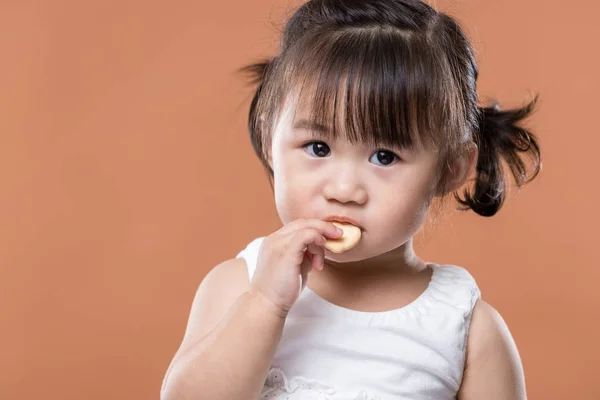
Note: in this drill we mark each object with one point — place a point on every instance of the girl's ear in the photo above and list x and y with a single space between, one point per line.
460 169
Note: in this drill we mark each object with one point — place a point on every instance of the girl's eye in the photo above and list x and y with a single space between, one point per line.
317 149
384 158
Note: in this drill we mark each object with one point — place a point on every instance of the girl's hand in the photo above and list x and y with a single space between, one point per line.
285 259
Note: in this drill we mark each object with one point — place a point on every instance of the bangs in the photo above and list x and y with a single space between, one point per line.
378 86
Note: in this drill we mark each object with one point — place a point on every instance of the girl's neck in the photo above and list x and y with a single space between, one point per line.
386 282
400 263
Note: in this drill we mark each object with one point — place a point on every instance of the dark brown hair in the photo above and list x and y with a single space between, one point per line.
401 74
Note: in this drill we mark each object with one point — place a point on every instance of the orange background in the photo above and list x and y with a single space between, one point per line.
126 174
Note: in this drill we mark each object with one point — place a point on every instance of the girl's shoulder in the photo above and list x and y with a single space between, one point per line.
249 255
450 274
218 291
453 286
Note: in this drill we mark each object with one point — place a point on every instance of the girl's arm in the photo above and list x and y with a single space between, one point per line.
235 325
493 368
229 343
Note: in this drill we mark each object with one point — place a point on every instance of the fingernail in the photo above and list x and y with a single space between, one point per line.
339 230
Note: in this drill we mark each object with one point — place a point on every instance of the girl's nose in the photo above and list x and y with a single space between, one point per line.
345 188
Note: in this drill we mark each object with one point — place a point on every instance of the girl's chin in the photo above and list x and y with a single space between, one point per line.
354 254
360 252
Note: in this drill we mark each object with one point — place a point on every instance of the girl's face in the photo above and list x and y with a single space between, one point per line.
386 191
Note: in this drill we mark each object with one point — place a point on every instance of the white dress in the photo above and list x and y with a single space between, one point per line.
328 352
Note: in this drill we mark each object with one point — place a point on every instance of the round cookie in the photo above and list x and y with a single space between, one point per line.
348 240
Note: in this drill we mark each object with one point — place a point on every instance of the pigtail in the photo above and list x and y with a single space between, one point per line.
256 71
501 138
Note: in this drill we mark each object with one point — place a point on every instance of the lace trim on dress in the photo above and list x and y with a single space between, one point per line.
277 386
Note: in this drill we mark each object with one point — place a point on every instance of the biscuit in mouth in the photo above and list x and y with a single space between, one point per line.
348 240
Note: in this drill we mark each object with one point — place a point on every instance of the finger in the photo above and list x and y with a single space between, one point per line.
299 241
326 228
317 256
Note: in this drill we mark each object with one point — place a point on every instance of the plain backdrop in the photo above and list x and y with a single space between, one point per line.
126 174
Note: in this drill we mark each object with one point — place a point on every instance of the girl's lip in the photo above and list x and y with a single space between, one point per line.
339 218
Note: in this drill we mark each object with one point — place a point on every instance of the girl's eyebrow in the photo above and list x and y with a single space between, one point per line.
312 126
